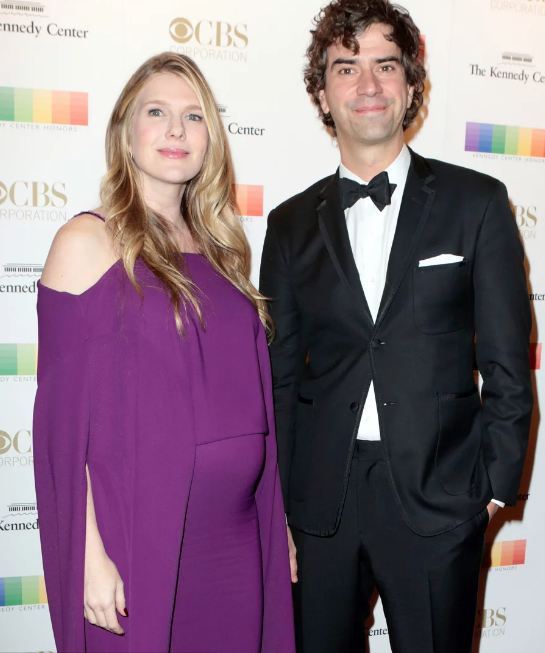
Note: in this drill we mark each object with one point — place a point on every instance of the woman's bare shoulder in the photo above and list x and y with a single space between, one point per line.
81 252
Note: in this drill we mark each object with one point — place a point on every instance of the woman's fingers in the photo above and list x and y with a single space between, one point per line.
103 591
112 624
120 604
292 556
104 617
89 614
101 619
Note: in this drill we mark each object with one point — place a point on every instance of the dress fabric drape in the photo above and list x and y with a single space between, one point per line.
178 435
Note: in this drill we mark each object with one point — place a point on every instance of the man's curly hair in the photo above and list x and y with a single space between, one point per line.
342 21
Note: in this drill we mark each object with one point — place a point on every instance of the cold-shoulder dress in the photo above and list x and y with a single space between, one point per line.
178 435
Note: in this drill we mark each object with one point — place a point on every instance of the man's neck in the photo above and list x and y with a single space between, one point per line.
366 162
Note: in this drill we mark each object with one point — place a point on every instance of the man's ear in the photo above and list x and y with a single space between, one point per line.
410 95
323 102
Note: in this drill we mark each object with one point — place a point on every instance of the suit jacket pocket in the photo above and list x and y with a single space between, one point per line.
304 426
442 297
459 441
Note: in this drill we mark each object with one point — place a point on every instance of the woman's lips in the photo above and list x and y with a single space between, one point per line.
173 153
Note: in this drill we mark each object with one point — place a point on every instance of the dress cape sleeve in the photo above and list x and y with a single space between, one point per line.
278 634
61 428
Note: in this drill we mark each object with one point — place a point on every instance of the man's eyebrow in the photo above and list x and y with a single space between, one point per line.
339 61
387 59
350 61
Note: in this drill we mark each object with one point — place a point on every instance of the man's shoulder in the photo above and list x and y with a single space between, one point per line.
303 202
455 175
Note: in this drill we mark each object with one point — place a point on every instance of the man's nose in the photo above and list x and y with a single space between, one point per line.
368 83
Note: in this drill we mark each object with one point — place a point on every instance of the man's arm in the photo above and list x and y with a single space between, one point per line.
503 322
285 349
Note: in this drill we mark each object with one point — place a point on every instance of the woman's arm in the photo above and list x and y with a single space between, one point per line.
81 252
103 587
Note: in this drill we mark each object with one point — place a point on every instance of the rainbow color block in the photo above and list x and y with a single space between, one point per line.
17 360
22 590
506 554
41 106
503 139
249 199
535 355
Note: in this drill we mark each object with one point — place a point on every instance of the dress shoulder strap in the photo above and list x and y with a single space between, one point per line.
97 215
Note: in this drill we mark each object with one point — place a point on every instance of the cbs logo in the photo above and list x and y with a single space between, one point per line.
493 618
210 32
34 193
526 216
21 442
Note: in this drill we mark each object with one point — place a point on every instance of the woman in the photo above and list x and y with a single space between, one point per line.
160 510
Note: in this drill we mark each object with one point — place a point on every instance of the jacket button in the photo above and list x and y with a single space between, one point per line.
376 343
354 406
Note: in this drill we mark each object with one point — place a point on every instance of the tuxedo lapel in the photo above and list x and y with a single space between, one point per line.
415 207
332 224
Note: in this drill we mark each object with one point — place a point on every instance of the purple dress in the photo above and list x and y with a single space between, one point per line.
178 435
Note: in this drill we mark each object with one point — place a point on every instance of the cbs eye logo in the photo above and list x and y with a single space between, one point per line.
216 33
181 30
21 442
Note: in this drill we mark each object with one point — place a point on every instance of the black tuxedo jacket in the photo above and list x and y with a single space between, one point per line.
449 448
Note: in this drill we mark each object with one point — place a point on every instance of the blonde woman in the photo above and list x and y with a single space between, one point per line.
161 516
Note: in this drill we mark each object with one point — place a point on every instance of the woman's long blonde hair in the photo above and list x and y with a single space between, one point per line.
208 204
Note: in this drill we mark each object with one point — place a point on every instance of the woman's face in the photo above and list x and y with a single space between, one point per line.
168 137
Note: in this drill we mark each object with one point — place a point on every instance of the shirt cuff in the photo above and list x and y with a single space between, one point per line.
501 504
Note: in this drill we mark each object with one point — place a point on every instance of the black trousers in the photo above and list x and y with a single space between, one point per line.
428 585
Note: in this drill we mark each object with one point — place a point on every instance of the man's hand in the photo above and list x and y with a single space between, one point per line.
293 556
492 510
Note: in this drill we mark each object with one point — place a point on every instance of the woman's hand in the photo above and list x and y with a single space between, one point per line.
293 556
103 592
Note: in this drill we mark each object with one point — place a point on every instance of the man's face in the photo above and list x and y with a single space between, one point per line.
367 93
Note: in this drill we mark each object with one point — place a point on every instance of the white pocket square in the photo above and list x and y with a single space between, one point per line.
442 259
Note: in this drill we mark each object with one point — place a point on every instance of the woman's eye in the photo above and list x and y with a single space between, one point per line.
154 112
195 116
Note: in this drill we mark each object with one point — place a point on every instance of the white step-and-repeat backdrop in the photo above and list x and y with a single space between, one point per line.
62 65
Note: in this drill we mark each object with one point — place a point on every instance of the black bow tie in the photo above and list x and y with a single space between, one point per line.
379 189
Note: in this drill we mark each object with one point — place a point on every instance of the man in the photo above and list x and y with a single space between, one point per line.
388 281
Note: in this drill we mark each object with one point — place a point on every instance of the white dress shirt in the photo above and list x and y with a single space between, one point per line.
371 233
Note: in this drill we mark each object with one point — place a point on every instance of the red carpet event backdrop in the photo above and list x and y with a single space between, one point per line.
62 65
